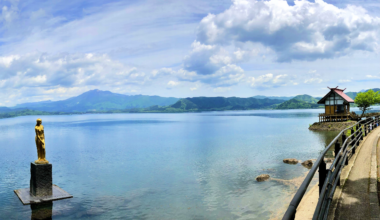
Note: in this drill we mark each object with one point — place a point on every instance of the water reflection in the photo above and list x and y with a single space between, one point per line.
42 211
326 137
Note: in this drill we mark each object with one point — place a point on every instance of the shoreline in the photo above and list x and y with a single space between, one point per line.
28 112
331 126
294 185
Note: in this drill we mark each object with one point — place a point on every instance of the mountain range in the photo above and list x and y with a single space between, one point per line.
105 101
222 103
273 97
97 100
300 102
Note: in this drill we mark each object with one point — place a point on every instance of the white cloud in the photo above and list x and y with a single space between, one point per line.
373 77
221 89
344 80
225 76
206 59
172 84
8 14
270 81
305 31
313 80
313 71
65 70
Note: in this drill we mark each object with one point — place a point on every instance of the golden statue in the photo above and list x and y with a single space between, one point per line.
40 143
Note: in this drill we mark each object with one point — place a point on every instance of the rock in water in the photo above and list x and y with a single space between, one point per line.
290 161
307 163
262 177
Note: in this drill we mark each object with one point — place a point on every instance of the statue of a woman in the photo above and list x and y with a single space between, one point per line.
40 143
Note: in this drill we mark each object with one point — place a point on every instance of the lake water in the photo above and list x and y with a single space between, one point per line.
162 166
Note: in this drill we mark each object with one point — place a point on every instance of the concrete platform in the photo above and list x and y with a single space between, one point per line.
27 198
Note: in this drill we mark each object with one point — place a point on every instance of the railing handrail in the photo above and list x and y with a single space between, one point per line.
290 212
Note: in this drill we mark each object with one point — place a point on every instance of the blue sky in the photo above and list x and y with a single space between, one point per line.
53 50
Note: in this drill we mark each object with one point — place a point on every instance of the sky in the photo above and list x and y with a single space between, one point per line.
54 50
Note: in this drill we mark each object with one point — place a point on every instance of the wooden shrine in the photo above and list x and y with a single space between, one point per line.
337 106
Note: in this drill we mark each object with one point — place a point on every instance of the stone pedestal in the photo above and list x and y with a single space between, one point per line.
41 179
41 190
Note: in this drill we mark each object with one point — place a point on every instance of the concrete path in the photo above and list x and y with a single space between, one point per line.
359 199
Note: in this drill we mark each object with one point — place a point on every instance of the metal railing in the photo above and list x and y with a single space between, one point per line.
329 178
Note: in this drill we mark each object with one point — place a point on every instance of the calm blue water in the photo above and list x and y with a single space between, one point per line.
162 166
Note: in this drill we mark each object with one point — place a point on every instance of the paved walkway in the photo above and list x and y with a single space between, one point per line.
359 197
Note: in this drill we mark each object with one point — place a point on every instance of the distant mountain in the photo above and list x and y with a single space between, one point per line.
300 102
306 98
351 94
297 104
4 109
221 103
97 100
273 97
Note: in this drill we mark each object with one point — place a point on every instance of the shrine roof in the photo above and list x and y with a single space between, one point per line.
339 92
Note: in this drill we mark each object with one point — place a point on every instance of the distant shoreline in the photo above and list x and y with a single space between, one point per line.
28 112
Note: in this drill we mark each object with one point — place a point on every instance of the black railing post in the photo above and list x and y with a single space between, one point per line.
374 123
356 142
375 120
337 149
322 174
361 132
343 138
357 136
365 130
294 215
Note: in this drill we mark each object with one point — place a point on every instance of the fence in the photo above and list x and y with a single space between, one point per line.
329 179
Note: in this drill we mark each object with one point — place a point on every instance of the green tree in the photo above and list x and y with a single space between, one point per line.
365 99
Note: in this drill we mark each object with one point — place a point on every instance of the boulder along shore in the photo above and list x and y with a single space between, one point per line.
331 126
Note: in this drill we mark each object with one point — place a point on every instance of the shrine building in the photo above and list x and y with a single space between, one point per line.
337 106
